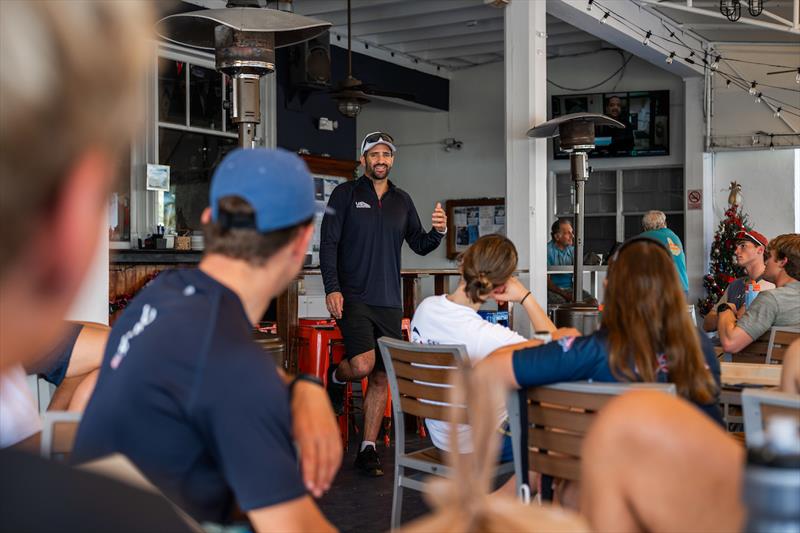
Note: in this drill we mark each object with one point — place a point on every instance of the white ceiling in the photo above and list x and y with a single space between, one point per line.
703 17
447 35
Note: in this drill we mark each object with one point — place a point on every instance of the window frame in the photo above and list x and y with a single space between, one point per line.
620 212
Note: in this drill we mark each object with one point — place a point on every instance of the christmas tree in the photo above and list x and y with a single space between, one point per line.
723 261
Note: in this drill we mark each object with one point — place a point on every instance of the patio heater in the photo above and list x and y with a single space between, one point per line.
244 40
576 136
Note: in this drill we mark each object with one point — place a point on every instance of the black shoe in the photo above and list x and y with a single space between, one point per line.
336 392
368 463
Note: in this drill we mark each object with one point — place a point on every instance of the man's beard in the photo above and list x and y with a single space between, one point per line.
371 171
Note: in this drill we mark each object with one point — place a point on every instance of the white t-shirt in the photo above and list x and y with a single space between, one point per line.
19 417
437 320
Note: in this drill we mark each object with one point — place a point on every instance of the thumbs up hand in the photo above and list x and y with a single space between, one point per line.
439 219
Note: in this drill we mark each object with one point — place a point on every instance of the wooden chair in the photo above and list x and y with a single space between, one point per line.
755 352
779 340
59 429
742 374
410 384
556 418
761 405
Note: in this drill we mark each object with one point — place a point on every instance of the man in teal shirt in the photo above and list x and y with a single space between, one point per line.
561 252
655 227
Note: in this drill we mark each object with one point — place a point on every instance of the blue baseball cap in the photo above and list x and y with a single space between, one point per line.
275 182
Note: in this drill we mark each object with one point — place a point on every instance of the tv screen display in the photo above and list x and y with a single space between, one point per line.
645 115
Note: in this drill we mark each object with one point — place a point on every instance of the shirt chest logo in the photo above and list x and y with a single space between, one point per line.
363 205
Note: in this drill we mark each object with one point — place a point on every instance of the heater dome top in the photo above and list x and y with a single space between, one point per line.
550 128
196 28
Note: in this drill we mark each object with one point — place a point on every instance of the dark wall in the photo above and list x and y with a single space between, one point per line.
299 110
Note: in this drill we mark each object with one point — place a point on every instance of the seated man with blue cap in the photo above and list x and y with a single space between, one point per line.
186 394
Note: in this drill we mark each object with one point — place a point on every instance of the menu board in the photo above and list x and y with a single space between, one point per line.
467 220
323 187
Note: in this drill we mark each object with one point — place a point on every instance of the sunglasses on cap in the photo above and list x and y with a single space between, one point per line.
377 137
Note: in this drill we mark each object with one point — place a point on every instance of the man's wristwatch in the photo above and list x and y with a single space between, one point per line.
311 378
723 307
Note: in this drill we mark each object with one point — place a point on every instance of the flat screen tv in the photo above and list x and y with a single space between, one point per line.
644 113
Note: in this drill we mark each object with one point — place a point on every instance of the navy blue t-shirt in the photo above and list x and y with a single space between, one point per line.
193 402
586 358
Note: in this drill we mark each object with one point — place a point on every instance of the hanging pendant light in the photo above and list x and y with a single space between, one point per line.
349 95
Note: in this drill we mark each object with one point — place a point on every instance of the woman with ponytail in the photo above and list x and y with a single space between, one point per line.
646 334
487 273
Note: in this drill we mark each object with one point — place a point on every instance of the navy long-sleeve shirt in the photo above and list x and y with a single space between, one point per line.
586 358
360 244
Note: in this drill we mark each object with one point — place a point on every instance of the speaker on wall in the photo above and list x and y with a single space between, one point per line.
310 63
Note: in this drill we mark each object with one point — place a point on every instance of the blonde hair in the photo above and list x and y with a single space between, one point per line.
654 220
70 74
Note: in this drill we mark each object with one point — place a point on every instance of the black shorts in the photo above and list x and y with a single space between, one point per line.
361 325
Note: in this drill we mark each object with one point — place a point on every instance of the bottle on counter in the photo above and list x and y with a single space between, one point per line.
772 479
753 289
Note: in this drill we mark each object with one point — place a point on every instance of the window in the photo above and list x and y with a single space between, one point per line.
193 134
655 188
615 200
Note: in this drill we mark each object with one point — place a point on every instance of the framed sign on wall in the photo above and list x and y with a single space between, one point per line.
472 218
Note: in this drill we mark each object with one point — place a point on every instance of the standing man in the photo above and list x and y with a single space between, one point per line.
750 250
360 262
654 224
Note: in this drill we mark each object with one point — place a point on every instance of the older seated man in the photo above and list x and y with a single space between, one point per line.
778 307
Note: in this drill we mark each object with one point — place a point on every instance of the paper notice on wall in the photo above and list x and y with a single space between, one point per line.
158 177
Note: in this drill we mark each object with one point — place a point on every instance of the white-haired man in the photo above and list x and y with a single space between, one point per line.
654 224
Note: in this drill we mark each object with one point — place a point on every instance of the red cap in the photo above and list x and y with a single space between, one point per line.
752 236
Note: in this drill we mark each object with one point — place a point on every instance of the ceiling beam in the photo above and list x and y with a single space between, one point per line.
428 21
463 51
376 13
716 14
574 13
576 36
451 42
313 8
433 32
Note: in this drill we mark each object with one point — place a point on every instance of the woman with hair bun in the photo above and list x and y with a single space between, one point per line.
487 273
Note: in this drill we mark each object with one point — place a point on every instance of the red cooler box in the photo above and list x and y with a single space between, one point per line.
319 342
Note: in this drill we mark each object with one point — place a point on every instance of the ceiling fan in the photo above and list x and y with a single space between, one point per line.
350 94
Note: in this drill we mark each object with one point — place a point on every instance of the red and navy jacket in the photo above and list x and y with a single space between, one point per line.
360 244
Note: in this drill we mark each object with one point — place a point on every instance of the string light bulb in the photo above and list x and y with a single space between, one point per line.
778 112
758 98
771 144
715 63
647 38
752 89
797 78
589 6
669 59
604 18
689 58
727 83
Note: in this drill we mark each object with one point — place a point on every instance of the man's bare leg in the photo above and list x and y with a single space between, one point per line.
654 462
375 404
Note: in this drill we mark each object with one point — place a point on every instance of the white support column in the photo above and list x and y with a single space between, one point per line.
694 171
526 159
91 304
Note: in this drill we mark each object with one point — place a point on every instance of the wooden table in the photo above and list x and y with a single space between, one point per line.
736 376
